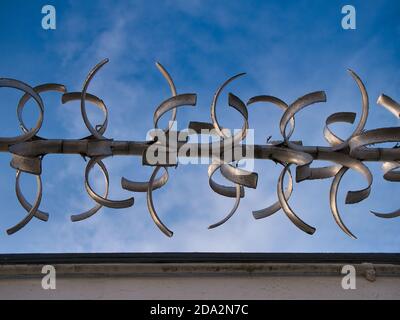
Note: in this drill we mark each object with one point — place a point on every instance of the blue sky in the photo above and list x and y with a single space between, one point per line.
287 48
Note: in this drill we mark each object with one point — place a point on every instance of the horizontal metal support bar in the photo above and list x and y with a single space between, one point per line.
88 147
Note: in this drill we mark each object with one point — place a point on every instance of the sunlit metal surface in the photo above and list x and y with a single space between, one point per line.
28 150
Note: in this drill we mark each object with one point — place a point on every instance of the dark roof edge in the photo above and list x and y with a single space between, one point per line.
196 257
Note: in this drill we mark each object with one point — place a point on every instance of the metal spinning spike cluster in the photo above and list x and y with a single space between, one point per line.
28 150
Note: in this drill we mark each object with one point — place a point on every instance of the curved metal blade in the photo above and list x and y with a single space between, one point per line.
287 209
150 204
32 211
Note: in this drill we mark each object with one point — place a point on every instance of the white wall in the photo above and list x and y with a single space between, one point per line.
200 281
